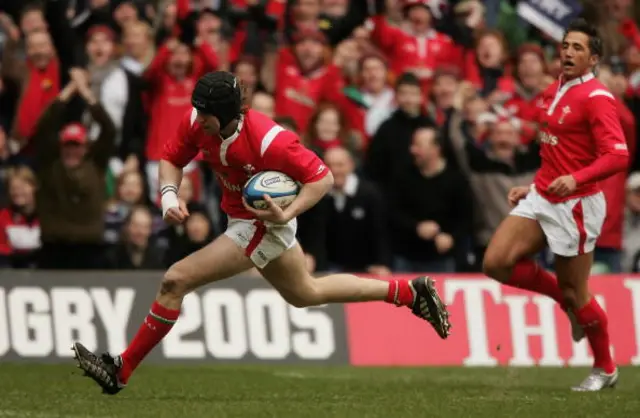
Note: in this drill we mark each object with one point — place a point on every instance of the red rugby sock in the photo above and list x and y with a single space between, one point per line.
399 293
156 325
594 321
529 275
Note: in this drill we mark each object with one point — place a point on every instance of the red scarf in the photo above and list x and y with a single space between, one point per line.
42 88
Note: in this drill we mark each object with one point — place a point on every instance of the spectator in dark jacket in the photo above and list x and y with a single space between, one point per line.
388 156
137 249
196 233
357 235
431 210
72 181
492 167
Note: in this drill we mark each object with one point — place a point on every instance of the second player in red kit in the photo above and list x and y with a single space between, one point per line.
582 143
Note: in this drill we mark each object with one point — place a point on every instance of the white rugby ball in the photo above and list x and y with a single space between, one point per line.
281 188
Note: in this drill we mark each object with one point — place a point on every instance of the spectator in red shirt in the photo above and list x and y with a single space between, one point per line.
486 67
20 236
532 79
418 48
304 79
40 80
49 57
171 78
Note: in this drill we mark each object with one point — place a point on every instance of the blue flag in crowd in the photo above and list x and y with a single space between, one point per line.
550 16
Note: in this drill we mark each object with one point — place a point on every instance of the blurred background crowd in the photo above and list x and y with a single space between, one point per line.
421 108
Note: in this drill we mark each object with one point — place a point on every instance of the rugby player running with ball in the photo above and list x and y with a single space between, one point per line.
237 143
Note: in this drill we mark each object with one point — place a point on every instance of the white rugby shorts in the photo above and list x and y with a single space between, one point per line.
571 227
262 242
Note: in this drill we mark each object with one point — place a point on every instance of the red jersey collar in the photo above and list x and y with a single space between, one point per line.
237 132
577 80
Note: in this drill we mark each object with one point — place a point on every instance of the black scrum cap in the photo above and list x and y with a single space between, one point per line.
218 94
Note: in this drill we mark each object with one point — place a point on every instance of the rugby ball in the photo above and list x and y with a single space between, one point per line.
281 188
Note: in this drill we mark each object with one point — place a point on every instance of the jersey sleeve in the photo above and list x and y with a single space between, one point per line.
282 151
605 124
180 149
611 146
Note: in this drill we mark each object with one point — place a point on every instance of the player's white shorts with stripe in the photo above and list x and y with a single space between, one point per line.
571 227
262 242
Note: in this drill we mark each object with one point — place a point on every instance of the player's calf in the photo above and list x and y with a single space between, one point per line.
569 297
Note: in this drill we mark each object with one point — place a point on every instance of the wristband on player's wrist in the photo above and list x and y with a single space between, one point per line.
169 198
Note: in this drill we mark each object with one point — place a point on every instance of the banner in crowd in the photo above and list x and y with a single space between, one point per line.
550 16
244 320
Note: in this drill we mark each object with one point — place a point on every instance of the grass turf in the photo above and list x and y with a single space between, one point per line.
59 391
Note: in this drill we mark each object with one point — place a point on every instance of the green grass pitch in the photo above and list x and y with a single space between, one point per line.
59 391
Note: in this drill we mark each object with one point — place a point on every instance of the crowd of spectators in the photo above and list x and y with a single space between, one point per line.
422 109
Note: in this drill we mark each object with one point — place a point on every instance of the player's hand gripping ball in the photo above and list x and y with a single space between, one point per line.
281 188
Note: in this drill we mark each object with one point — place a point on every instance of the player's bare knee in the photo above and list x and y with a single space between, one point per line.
175 284
497 266
304 296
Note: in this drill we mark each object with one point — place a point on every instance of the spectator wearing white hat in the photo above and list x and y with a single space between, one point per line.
631 259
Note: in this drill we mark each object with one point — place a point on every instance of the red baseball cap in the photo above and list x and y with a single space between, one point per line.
74 132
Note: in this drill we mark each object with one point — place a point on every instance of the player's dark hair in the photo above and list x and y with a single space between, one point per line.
595 41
